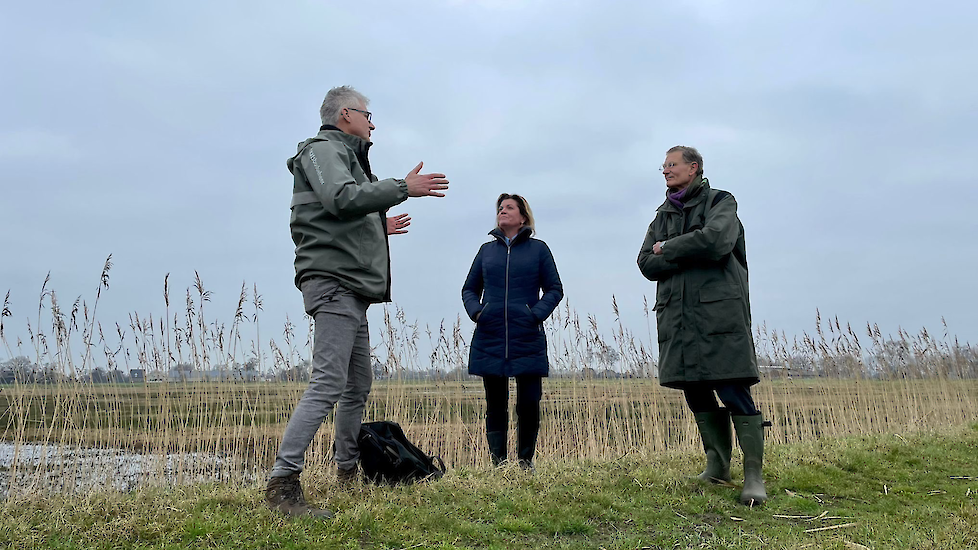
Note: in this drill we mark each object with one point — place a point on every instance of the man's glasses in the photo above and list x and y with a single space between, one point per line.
669 166
367 114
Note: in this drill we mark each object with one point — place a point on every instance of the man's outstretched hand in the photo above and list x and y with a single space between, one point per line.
396 224
425 185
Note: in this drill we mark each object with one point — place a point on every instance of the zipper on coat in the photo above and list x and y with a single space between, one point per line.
509 246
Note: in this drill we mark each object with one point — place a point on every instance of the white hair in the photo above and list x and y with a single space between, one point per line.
339 98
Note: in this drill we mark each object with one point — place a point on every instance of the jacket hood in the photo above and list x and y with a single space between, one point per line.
302 145
331 133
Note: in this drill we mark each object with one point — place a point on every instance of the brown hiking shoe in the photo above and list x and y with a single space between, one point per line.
284 494
346 478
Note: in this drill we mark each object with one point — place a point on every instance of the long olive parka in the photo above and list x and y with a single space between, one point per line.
702 305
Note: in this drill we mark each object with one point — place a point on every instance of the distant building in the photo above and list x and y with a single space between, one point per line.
783 371
182 374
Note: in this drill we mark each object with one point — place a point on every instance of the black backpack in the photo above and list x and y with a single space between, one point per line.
387 457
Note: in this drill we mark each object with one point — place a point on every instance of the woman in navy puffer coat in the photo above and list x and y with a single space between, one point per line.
502 294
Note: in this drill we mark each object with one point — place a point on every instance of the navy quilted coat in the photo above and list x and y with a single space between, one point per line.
503 290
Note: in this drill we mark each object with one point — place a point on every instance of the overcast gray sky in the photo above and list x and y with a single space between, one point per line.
158 133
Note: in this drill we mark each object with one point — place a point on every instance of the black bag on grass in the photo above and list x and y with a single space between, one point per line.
386 456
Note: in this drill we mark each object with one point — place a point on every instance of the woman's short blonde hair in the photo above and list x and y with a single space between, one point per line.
524 207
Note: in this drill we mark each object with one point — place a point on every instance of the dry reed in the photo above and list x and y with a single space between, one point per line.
62 422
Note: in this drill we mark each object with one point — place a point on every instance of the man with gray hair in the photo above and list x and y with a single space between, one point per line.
342 265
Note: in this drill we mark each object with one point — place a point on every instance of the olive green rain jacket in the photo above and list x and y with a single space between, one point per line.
339 214
702 307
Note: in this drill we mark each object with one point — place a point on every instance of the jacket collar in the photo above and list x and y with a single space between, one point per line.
522 235
360 146
691 190
700 188
356 143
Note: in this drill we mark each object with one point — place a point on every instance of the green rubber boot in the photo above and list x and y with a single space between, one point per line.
717 443
750 435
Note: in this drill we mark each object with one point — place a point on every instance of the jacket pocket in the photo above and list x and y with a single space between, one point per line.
664 330
363 246
481 314
537 322
722 309
491 319
663 294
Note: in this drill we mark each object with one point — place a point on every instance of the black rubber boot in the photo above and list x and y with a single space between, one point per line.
526 436
497 447
750 435
717 443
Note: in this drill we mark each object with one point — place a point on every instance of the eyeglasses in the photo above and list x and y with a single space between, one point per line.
367 114
669 166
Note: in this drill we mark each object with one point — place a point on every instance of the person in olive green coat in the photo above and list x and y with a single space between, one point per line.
694 250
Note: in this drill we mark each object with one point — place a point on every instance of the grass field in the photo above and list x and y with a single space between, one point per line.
918 491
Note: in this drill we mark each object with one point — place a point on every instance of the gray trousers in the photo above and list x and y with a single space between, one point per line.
341 376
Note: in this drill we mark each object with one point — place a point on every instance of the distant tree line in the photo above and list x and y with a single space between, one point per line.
889 360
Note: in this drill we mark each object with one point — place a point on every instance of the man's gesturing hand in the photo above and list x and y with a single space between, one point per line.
396 224
425 185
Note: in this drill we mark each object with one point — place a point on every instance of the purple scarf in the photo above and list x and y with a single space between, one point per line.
677 198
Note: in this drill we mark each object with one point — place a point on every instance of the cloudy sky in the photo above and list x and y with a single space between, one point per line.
158 133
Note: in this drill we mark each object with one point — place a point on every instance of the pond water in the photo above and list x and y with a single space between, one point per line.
51 469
